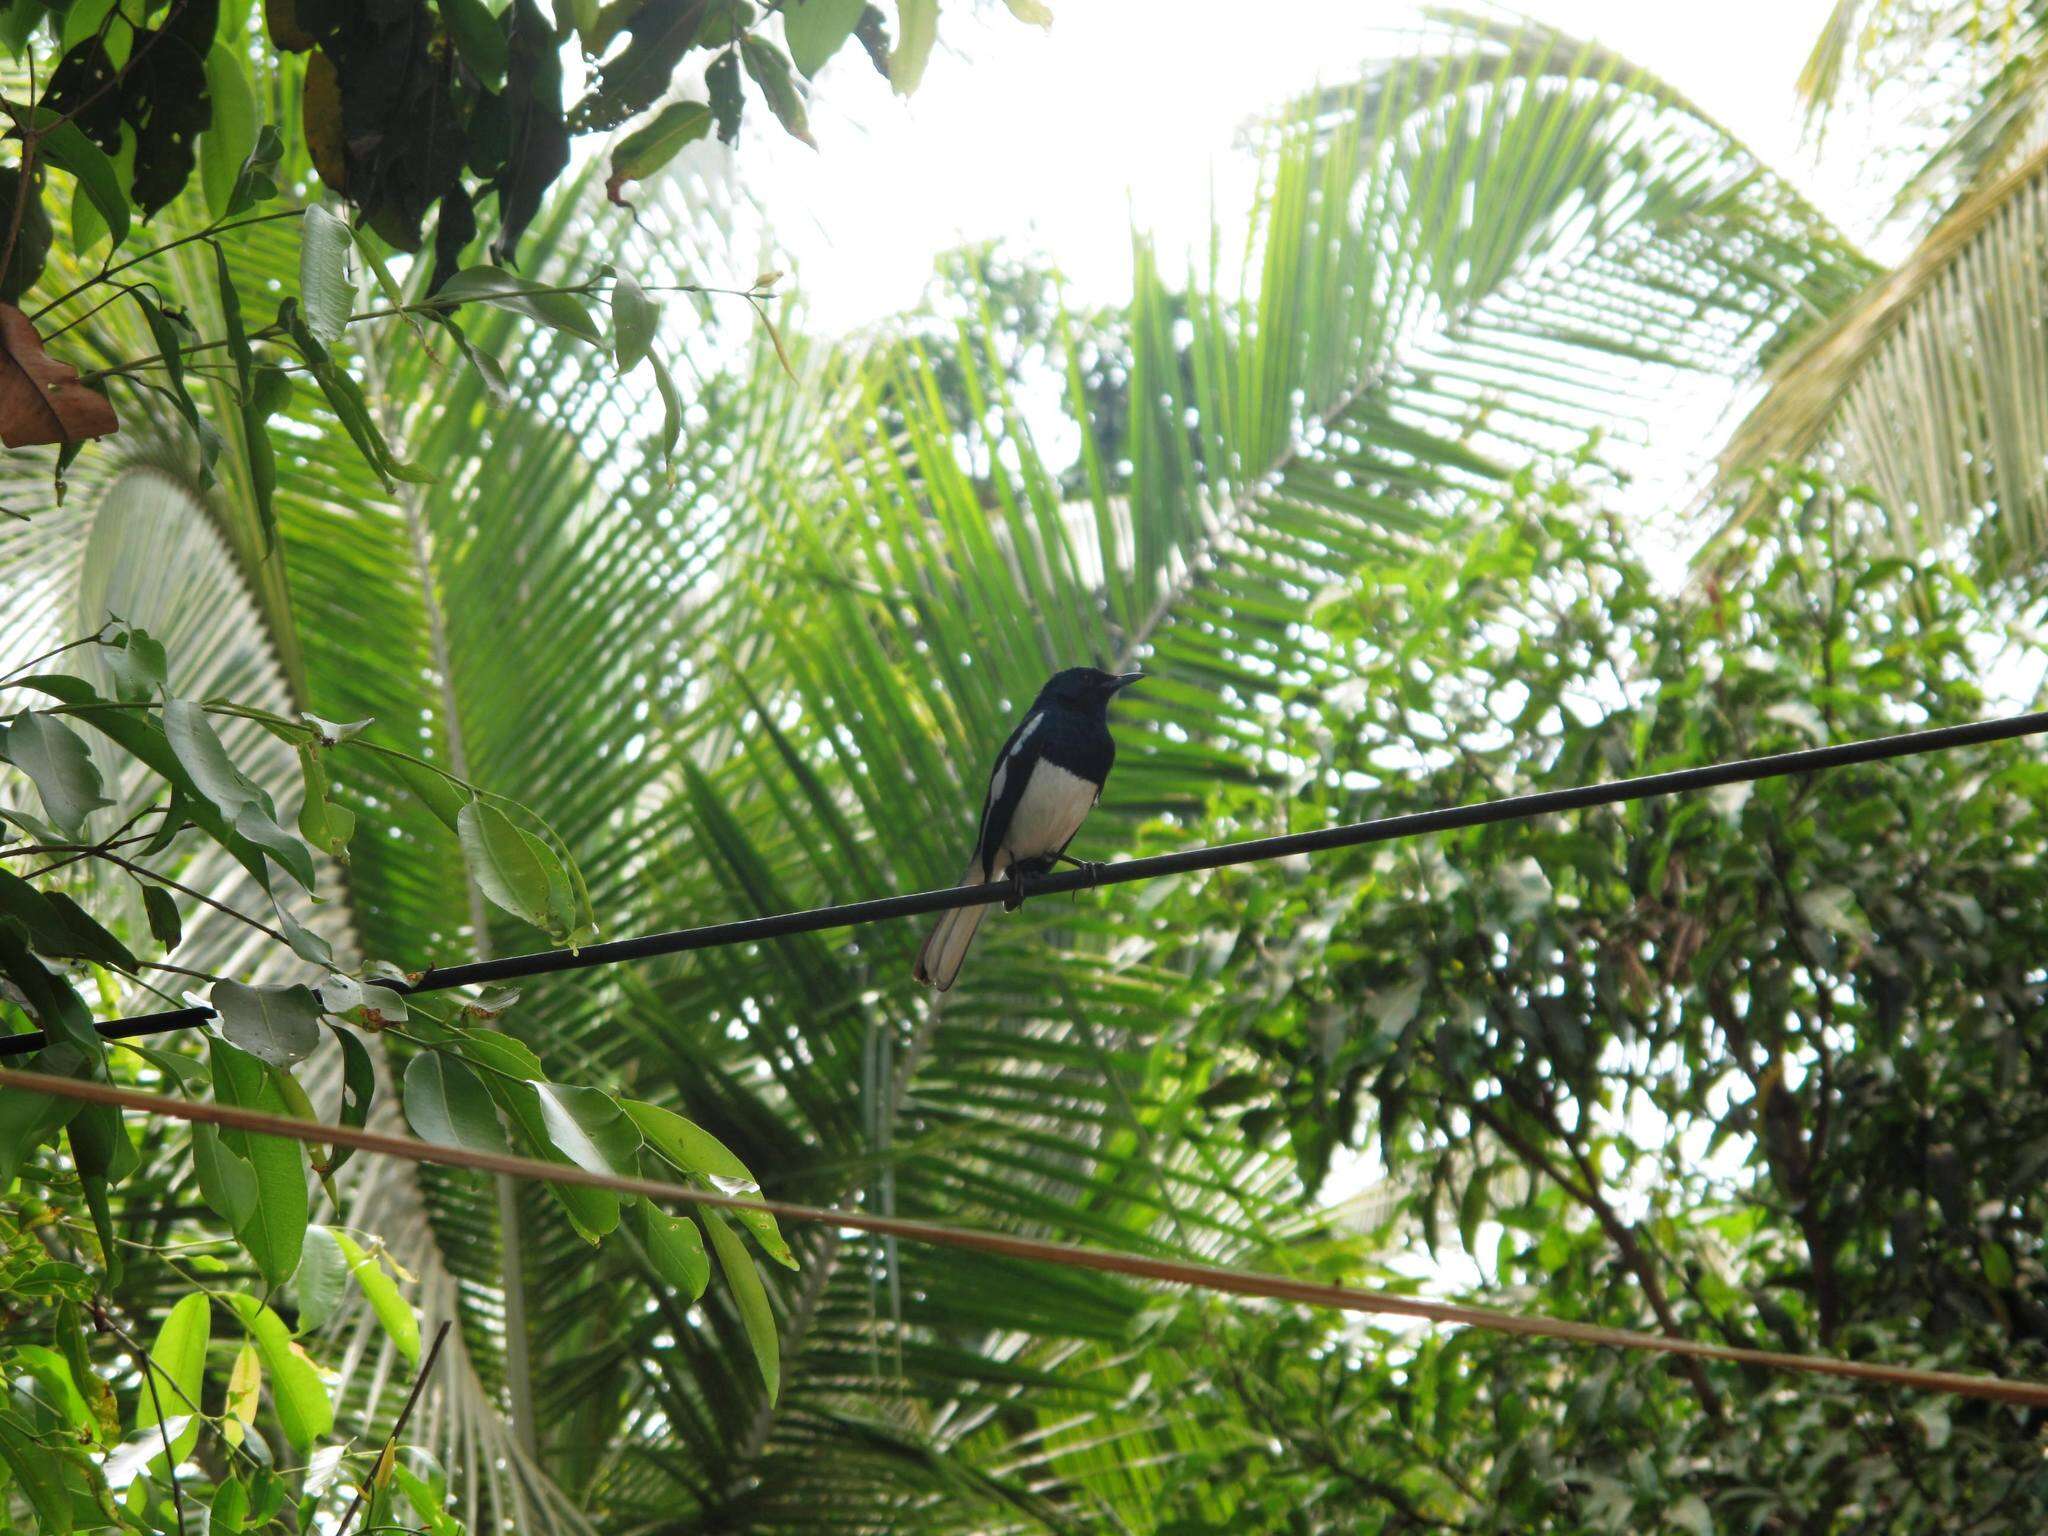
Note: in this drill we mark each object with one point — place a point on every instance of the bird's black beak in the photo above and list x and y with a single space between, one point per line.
1125 680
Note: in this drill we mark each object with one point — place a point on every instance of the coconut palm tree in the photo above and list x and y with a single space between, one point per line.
1927 387
768 674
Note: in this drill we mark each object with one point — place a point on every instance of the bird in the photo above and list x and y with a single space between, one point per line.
1046 780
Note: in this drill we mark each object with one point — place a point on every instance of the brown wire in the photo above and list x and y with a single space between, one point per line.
1171 1271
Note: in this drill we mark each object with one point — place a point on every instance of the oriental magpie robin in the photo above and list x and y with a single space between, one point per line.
1047 779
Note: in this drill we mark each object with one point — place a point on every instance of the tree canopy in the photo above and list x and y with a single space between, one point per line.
414 590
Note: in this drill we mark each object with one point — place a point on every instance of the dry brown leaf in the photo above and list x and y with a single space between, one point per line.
41 399
320 112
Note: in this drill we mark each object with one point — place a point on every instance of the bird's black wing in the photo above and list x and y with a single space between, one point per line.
1005 788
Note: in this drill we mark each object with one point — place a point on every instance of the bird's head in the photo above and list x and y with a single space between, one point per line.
1085 687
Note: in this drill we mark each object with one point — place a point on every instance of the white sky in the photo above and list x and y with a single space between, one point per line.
1126 109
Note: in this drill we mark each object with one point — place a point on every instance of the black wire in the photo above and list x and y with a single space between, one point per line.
1351 835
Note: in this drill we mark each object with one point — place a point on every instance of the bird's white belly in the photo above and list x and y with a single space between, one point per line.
1050 811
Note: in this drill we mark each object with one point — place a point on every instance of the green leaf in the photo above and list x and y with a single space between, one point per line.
18 23
1032 12
65 145
36 1475
226 145
303 1409
205 760
257 181
79 935
170 343
162 909
499 1051
434 789
504 864
229 1513
358 1089
325 292
387 284
686 1144
52 1373
255 823
593 1212
671 411
142 737
325 825
227 1183
305 943
401 1324
275 1234
633 322
27 1120
279 1025
320 1278
478 39
446 1103
751 1297
770 71
677 1249
816 29
345 397
178 1358
587 1126
695 1150
491 285
55 757
917 29
656 142
137 664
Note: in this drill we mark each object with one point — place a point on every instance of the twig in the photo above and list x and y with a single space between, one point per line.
1136 1266
149 1369
185 890
157 250
24 177
69 645
419 1383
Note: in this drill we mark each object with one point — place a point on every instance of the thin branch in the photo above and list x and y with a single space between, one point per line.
149 1370
70 645
157 250
185 890
1134 1266
412 1398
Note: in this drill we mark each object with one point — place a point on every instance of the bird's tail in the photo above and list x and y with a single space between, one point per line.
938 963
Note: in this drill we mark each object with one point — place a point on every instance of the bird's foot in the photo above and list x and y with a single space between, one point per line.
1088 867
1022 870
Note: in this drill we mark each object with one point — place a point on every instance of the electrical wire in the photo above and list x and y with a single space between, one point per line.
754 930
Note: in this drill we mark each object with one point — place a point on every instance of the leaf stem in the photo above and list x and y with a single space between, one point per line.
170 245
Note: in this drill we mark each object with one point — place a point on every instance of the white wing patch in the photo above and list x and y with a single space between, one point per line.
1002 774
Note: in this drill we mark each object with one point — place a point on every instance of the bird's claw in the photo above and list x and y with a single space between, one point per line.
1090 870
1015 899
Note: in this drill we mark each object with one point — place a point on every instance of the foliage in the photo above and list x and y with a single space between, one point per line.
80 1249
1752 1066
1922 388
742 617
404 110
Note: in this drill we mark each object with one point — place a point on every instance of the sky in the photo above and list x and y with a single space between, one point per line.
1124 112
